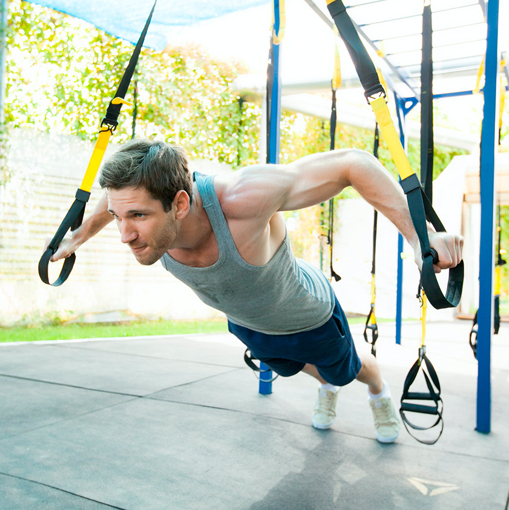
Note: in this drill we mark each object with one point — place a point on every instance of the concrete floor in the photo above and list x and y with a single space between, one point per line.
177 423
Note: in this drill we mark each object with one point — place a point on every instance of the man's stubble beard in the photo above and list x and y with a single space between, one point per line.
160 245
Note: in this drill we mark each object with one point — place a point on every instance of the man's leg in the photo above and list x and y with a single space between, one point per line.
370 374
324 412
387 424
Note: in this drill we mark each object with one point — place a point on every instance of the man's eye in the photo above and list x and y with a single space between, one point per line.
139 215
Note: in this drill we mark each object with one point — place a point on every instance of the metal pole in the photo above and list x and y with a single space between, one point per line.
399 285
265 388
489 146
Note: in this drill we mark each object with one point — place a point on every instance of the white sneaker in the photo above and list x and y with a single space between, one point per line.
324 412
387 424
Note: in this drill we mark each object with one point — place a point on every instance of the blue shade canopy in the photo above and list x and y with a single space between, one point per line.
126 18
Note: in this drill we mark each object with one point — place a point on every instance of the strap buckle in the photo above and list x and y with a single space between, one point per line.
375 92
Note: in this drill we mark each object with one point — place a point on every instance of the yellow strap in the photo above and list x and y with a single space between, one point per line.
497 280
373 297
99 150
277 38
501 102
336 75
95 159
391 137
424 309
382 81
480 73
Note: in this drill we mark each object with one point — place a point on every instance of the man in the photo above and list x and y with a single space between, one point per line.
225 237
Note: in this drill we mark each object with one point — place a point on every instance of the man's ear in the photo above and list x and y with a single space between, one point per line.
181 203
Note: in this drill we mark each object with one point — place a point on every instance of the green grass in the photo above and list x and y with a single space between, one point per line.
79 331
101 330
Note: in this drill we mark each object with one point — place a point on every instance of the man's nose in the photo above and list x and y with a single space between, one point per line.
127 233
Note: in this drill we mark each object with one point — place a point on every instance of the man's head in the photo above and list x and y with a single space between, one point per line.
158 167
149 190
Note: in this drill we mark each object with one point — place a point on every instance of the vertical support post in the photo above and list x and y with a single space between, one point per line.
273 136
489 145
265 388
4 7
399 285
274 145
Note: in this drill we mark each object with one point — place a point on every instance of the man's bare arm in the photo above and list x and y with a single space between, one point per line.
318 179
99 218
260 191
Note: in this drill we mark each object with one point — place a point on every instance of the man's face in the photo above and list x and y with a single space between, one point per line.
143 224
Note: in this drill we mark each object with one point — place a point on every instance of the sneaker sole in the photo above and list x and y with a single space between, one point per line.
386 440
322 426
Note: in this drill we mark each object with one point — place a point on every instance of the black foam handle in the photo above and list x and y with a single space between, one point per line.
419 408
72 221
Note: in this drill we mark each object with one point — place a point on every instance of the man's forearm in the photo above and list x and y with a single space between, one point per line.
99 218
378 187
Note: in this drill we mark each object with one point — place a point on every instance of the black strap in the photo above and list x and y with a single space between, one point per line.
373 327
72 221
424 365
330 233
113 111
420 209
249 360
374 331
362 62
472 338
74 217
427 104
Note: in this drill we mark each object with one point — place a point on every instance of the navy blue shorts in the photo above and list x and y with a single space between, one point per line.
330 348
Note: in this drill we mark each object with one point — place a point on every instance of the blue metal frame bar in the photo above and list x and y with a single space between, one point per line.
273 149
401 113
454 94
487 252
403 106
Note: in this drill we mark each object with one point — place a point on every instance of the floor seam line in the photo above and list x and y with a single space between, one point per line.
59 489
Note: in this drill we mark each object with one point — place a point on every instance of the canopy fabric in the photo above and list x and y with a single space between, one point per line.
125 19
391 28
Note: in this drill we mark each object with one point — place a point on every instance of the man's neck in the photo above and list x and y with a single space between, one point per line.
194 232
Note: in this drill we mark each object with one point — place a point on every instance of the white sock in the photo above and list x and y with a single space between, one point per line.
328 387
385 393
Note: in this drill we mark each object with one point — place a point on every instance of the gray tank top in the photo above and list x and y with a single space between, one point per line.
286 295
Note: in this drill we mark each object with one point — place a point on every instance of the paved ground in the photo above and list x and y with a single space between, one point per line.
177 423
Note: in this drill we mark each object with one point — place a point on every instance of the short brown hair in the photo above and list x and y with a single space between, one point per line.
160 168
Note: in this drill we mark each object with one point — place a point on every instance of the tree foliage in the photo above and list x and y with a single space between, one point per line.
62 73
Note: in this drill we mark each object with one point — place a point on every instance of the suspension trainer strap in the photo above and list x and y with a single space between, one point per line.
427 105
419 208
249 359
371 324
335 83
432 395
74 216
498 270
472 338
